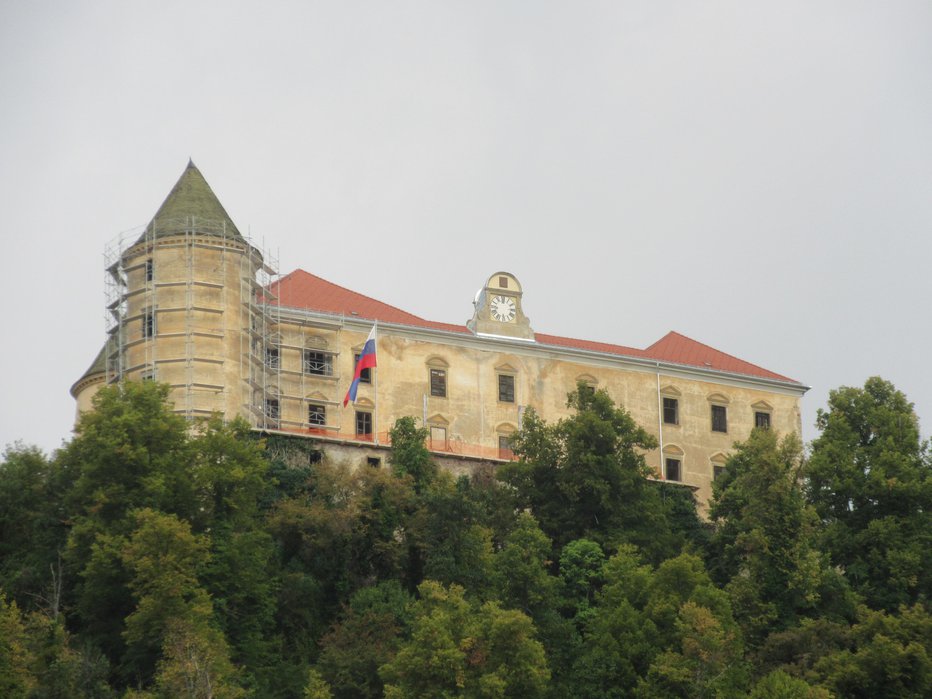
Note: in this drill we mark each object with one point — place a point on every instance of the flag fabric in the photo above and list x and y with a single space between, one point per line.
366 361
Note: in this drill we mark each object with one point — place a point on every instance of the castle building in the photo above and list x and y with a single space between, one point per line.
194 304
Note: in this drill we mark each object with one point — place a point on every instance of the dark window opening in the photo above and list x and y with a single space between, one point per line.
762 420
317 415
315 457
318 363
148 324
149 270
271 408
438 383
373 461
506 388
671 411
719 418
504 447
272 358
503 282
673 469
366 375
363 424
717 471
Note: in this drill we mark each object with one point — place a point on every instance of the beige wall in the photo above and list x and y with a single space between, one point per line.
474 417
197 296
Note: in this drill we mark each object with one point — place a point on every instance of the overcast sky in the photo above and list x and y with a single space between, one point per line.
757 176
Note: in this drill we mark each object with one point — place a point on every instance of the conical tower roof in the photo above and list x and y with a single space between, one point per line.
191 206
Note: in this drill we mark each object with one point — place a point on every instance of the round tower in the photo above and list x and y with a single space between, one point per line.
184 306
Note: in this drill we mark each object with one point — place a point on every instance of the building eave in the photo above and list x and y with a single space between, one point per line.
535 348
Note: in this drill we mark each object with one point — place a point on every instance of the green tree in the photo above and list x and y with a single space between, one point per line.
870 480
457 649
887 656
16 679
779 685
316 687
764 538
620 641
164 559
520 570
706 663
409 455
585 476
32 530
65 668
453 543
366 637
229 474
195 663
655 632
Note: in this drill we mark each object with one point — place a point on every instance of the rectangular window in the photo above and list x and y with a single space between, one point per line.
503 282
366 375
148 324
318 363
504 447
506 388
363 424
762 420
438 438
673 470
717 472
272 357
719 418
671 411
316 415
149 270
438 383
271 408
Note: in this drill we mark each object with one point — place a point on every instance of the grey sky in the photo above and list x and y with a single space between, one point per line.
757 176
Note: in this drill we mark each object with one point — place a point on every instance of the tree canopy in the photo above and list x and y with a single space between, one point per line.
153 558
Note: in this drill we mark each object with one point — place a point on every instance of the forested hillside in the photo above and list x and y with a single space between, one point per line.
145 559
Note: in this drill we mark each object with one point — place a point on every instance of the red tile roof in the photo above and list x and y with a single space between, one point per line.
303 290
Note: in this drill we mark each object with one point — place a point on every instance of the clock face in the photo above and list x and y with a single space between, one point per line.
502 308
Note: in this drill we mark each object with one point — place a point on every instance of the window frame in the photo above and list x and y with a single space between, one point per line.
320 412
437 389
148 323
675 408
506 378
325 361
365 417
758 414
273 357
719 417
678 461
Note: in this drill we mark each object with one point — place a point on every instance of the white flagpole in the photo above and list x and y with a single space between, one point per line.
375 383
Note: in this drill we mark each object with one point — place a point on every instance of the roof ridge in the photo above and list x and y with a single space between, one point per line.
356 293
715 349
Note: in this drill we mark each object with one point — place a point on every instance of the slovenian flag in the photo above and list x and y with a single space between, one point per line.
366 361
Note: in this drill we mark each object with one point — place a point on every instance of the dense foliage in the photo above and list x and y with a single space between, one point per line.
150 559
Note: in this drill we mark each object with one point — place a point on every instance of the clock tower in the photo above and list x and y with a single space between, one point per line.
498 309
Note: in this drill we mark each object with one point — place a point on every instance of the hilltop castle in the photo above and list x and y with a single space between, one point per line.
194 304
